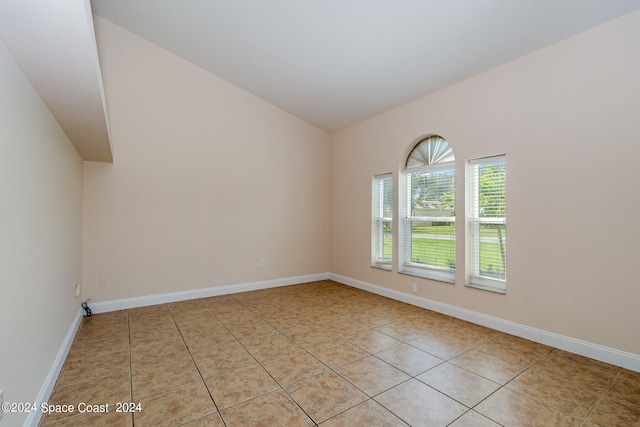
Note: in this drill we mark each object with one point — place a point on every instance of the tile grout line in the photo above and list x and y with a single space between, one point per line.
196 365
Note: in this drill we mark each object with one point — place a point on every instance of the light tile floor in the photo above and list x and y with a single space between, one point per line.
326 354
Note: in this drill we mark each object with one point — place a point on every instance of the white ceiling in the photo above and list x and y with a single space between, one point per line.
329 62
336 62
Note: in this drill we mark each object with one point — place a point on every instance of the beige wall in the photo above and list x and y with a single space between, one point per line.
567 118
207 180
40 237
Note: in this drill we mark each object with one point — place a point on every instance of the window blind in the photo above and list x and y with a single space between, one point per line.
429 231
382 227
487 222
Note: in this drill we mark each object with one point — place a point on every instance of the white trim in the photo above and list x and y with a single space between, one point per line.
50 381
122 304
583 348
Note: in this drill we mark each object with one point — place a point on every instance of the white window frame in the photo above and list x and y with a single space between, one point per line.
475 219
378 222
407 266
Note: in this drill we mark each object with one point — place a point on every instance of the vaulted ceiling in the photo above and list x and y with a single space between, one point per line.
329 62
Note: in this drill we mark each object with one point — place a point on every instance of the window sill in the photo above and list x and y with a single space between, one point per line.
428 273
487 285
386 267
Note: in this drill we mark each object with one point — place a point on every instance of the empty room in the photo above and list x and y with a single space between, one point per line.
320 213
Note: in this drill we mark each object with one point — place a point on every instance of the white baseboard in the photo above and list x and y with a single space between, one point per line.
122 304
50 381
583 348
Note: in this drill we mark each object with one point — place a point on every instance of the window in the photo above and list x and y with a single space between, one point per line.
487 223
428 211
382 224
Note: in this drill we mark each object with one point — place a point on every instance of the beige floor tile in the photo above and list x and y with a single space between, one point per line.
576 374
368 413
153 353
185 306
142 312
343 326
372 375
473 419
274 409
143 337
294 367
253 330
337 353
613 413
515 350
113 320
208 341
555 392
566 357
81 350
237 317
224 358
106 390
488 366
210 325
93 334
409 359
373 341
153 320
232 387
626 388
512 409
404 331
325 395
271 346
192 316
317 314
440 346
108 419
464 386
209 421
156 377
309 336
94 367
176 406
419 405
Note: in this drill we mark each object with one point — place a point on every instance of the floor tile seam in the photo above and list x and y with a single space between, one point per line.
453 398
197 369
264 394
329 369
377 394
605 395
130 363
468 370
471 410
549 374
581 419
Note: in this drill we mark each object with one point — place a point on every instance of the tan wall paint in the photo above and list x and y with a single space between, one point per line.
40 237
567 118
207 180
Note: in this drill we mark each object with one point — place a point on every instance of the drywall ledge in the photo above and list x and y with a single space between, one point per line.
583 348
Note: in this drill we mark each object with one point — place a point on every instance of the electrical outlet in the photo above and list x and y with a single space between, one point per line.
77 289
103 282
414 287
261 263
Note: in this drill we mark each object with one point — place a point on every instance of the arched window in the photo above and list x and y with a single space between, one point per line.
428 235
